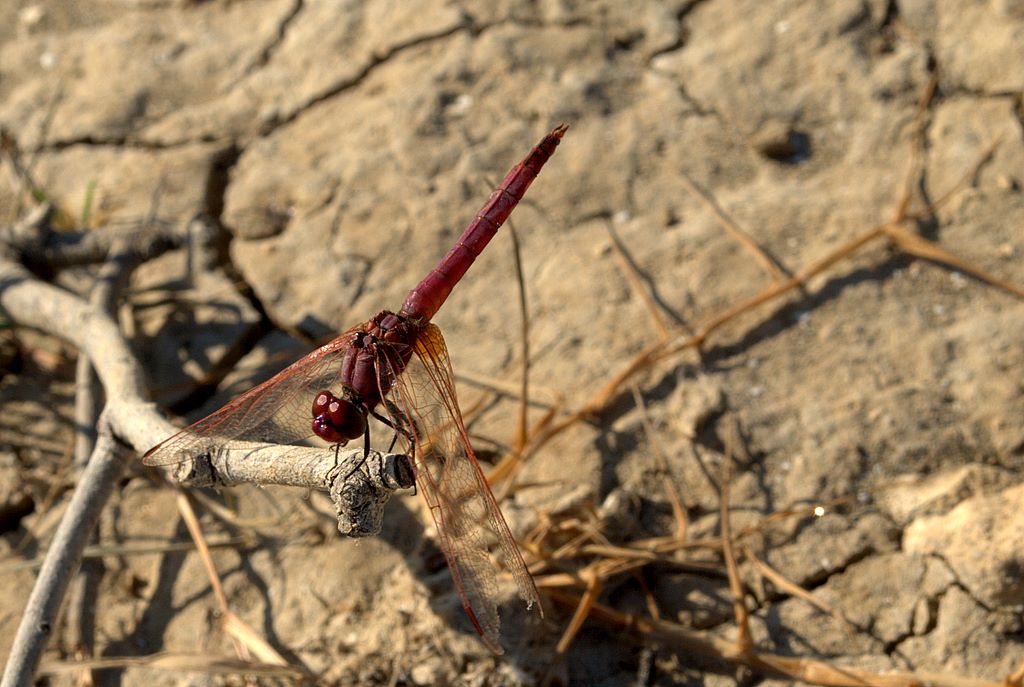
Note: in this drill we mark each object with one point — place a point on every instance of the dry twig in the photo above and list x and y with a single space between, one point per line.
519 439
177 664
795 668
770 267
743 640
88 406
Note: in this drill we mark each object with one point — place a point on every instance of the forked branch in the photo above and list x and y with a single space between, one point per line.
359 494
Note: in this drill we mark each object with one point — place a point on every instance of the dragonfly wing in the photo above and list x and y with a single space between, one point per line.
449 477
278 411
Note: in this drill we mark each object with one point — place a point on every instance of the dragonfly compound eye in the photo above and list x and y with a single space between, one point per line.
336 420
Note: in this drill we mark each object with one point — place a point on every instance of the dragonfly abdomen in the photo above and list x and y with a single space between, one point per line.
426 298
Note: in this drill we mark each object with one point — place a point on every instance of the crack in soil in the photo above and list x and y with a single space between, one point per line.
268 50
354 81
127 141
681 34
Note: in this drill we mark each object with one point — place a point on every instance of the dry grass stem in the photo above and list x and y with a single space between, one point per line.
500 476
94 551
586 602
807 670
246 639
796 512
773 270
188 515
965 178
916 146
739 605
912 243
631 272
792 588
678 511
519 438
177 663
649 600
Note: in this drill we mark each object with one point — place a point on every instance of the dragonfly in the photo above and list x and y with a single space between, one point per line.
397 362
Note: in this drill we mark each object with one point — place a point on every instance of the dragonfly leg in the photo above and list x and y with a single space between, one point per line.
398 430
400 419
366 450
383 419
402 425
366 441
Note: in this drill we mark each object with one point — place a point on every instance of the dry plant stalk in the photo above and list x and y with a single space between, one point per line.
792 588
743 639
519 439
803 669
678 511
178 663
246 640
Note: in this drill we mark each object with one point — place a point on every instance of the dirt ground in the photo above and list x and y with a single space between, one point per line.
342 146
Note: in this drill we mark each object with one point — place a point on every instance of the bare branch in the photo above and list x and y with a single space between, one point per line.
37 243
360 485
88 406
62 560
358 489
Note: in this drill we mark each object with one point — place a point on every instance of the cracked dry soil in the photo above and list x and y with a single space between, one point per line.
342 146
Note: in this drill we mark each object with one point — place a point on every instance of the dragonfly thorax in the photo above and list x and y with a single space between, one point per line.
375 353
337 420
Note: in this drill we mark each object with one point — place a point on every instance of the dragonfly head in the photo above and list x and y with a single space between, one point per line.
337 420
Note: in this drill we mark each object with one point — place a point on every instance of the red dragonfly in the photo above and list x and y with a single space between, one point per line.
331 392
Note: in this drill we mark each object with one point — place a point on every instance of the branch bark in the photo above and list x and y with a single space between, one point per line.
360 485
39 245
88 407
62 561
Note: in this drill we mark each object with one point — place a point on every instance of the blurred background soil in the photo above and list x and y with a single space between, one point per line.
341 147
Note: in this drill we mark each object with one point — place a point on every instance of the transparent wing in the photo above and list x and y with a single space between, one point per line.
447 473
278 411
